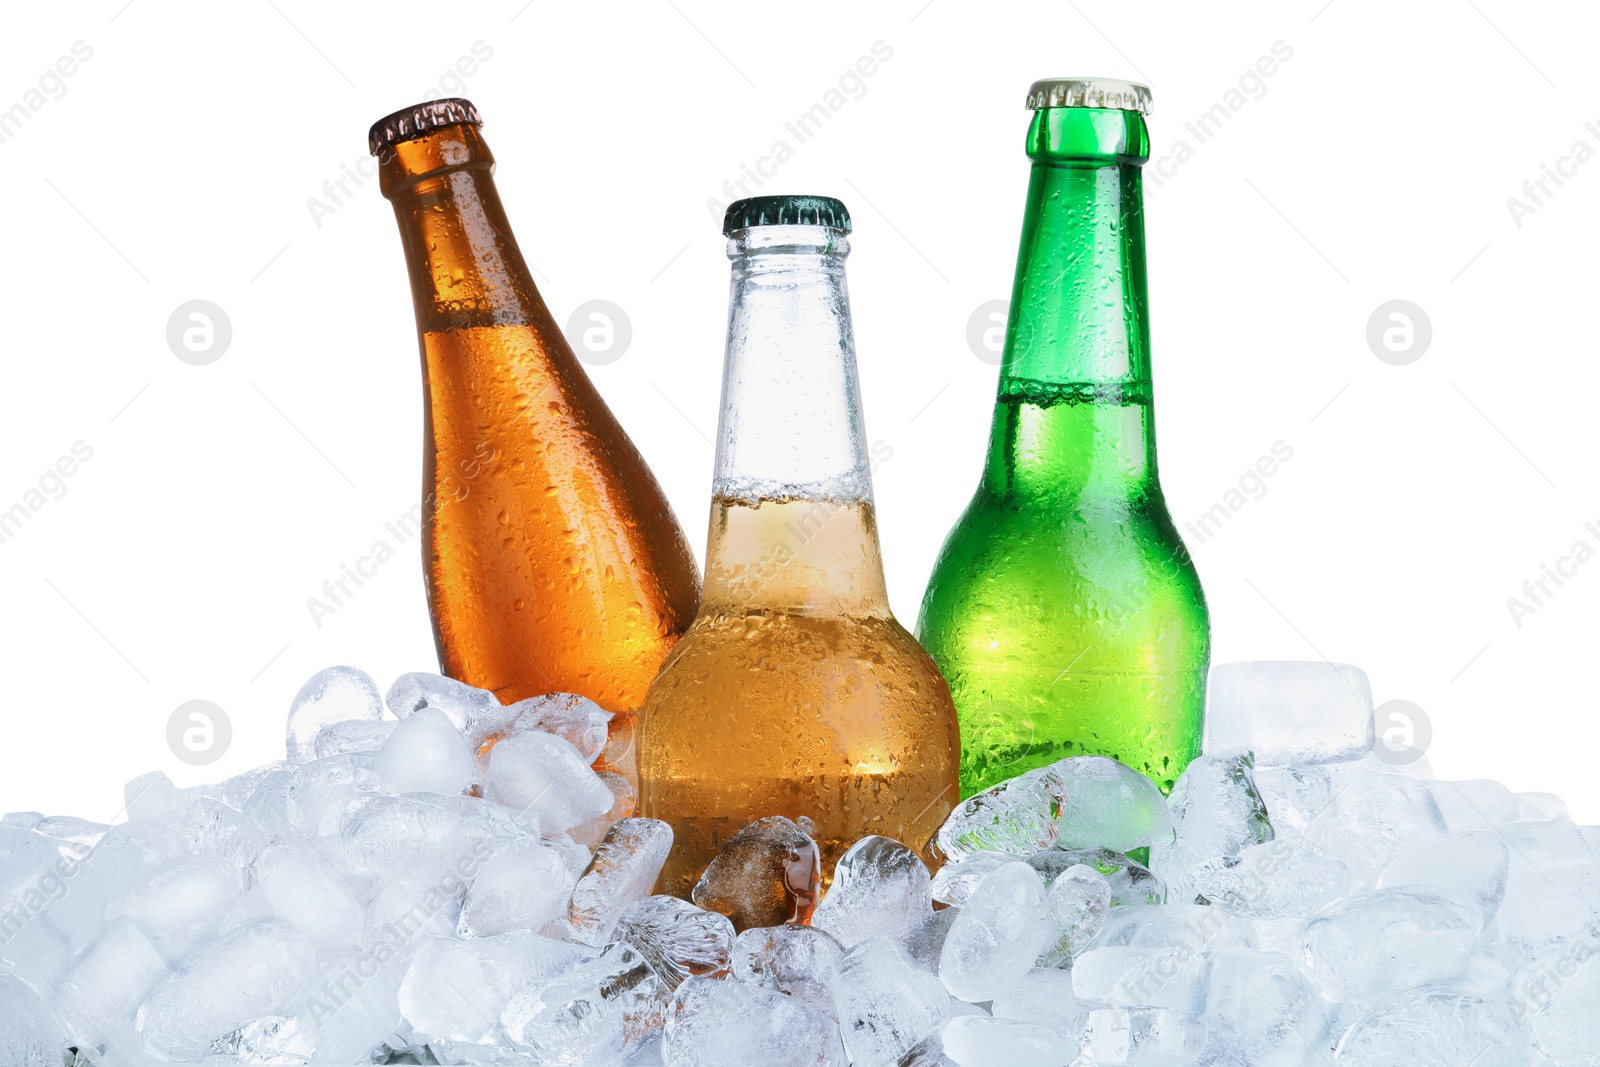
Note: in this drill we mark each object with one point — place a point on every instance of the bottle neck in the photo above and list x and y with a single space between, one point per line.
792 527
465 267
1073 407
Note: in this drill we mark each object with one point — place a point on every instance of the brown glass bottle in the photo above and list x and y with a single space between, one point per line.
554 563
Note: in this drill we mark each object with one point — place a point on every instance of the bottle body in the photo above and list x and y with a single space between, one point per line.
795 692
1064 609
553 560
835 716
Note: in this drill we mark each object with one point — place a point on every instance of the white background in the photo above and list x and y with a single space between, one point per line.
178 161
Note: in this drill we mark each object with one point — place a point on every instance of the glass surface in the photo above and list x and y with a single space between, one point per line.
795 692
1064 609
553 561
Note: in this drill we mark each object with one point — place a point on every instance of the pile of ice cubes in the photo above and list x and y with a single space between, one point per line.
458 882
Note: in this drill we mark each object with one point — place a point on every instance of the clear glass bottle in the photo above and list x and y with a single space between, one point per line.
794 692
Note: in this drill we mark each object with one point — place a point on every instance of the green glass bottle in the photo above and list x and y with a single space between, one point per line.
1064 610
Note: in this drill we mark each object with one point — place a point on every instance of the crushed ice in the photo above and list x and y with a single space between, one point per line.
452 881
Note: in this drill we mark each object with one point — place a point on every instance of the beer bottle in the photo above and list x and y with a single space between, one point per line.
1064 609
795 692
554 563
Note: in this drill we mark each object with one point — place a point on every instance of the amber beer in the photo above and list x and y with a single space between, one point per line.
554 562
795 692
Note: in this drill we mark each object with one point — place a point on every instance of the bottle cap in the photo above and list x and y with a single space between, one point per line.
409 123
786 211
1108 93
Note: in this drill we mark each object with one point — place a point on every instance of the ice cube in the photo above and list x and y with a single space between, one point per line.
979 1041
1293 795
108 981
1194 926
1373 819
1469 866
181 902
1044 996
880 888
1533 806
422 839
926 942
1568 1027
1266 1005
1147 1037
1288 711
77 891
456 990
1218 812
352 735
1550 904
541 773
766 874
153 797
955 881
1475 804
714 1023
321 793
619 756
267 805
1077 900
274 1039
677 938
425 754
338 694
929 1052
1389 940
212 828
1019 817
625 802
624 869
797 960
575 719
467 707
253 972
30 1035
1131 882
309 895
885 1002
522 887
1435 1027
1129 976
1001 930
1110 806
1273 880
596 1012
404 914
70 830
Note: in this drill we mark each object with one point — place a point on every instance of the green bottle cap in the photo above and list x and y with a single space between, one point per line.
1108 93
786 211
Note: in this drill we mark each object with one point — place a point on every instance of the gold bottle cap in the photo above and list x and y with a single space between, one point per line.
412 122
1109 93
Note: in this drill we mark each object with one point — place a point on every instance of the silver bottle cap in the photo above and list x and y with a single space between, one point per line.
1110 93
